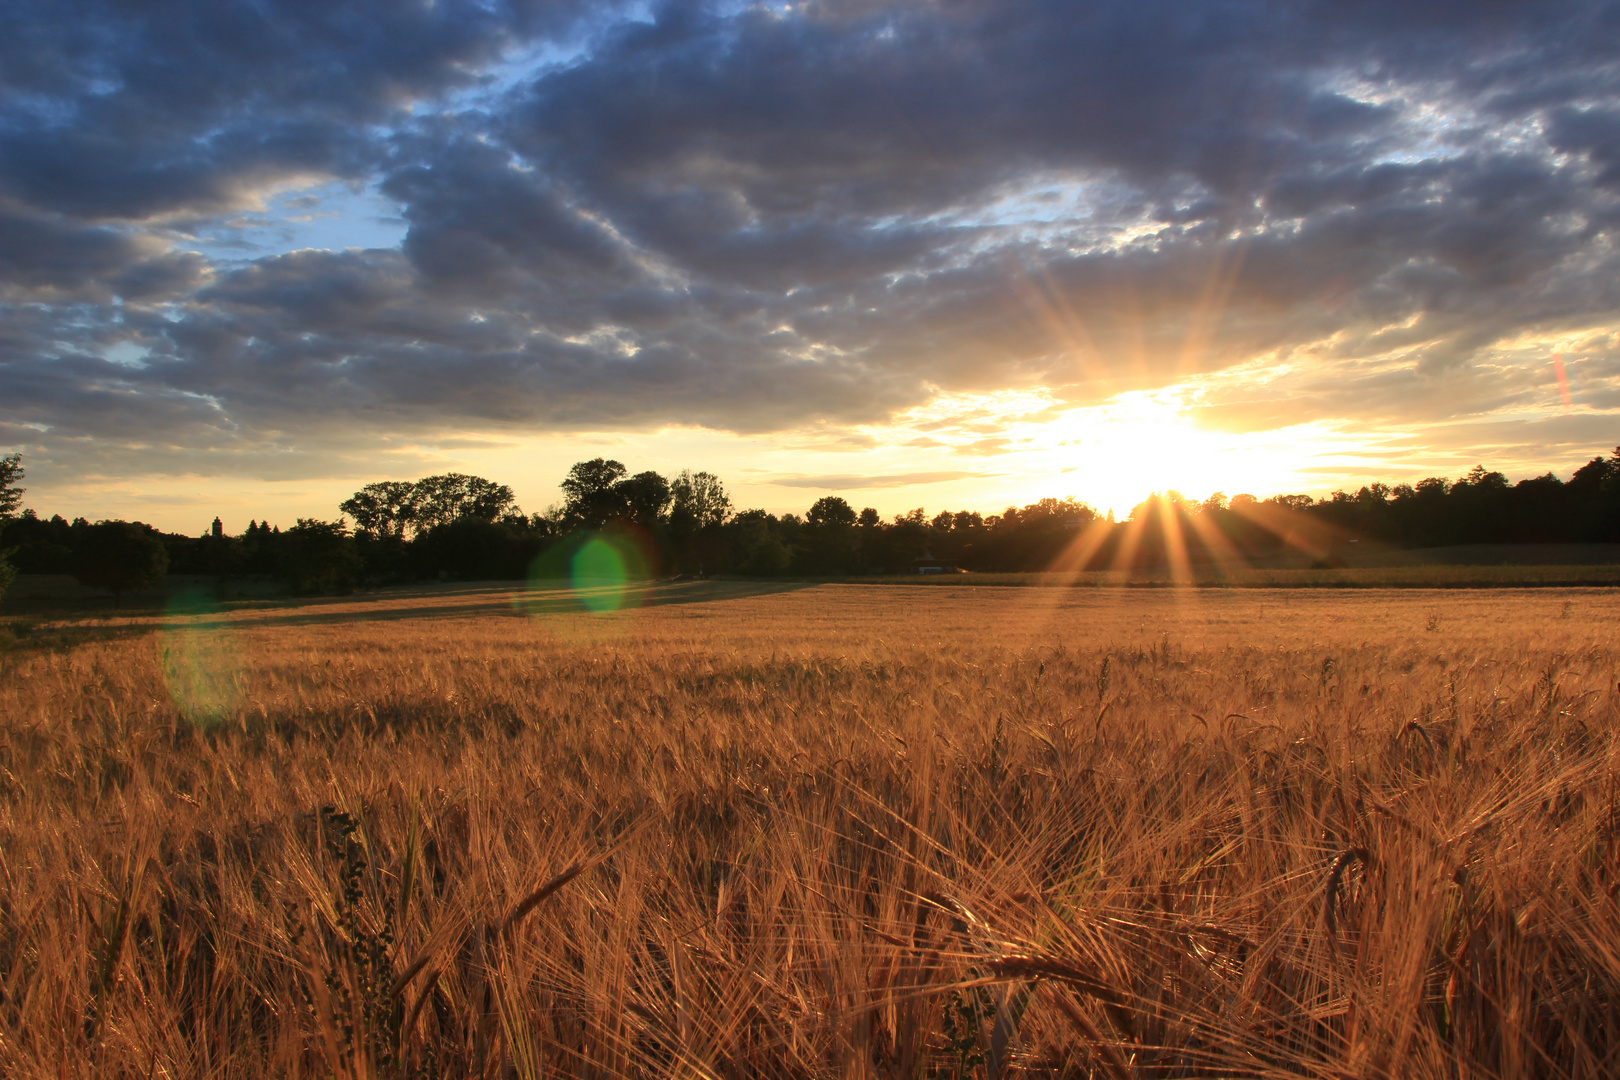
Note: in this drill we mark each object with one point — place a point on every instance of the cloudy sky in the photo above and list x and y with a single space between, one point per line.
952 254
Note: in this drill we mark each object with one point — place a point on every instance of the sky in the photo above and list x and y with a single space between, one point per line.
952 254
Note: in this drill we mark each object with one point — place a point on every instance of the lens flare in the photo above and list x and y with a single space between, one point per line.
593 573
199 660
599 575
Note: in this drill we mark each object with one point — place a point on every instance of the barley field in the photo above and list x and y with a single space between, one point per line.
834 830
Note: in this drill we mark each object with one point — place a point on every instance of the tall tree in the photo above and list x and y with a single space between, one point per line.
387 508
1595 490
831 510
646 496
440 500
591 493
699 499
11 471
699 508
829 543
759 551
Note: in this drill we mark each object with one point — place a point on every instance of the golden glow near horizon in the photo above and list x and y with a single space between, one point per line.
1149 442
958 451
1114 455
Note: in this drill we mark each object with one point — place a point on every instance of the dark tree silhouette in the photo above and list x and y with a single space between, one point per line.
317 556
591 493
466 527
831 510
645 497
119 556
220 557
698 512
387 508
1596 491
829 543
471 549
759 550
700 499
11 471
440 500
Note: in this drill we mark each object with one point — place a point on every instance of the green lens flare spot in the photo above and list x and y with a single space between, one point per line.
198 660
599 576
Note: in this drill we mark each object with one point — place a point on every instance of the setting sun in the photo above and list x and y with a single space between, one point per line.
1147 442
1114 455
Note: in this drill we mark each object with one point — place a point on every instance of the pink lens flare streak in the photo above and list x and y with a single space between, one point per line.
1563 379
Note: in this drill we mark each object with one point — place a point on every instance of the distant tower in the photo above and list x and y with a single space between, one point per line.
219 529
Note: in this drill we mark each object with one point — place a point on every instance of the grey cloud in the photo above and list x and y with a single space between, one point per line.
52 257
479 223
157 172
758 219
1592 131
125 111
162 277
43 251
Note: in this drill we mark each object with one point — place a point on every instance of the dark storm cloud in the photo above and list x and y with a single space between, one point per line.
125 111
49 253
479 224
1594 132
751 218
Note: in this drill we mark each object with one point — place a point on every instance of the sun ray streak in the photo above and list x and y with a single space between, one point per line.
1224 554
1130 542
1175 542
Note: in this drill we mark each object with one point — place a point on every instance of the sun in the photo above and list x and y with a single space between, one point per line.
1188 437
1143 442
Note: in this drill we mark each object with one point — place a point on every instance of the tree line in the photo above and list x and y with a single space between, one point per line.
459 527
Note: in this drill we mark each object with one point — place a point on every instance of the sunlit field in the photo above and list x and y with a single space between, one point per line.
1352 577
737 830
